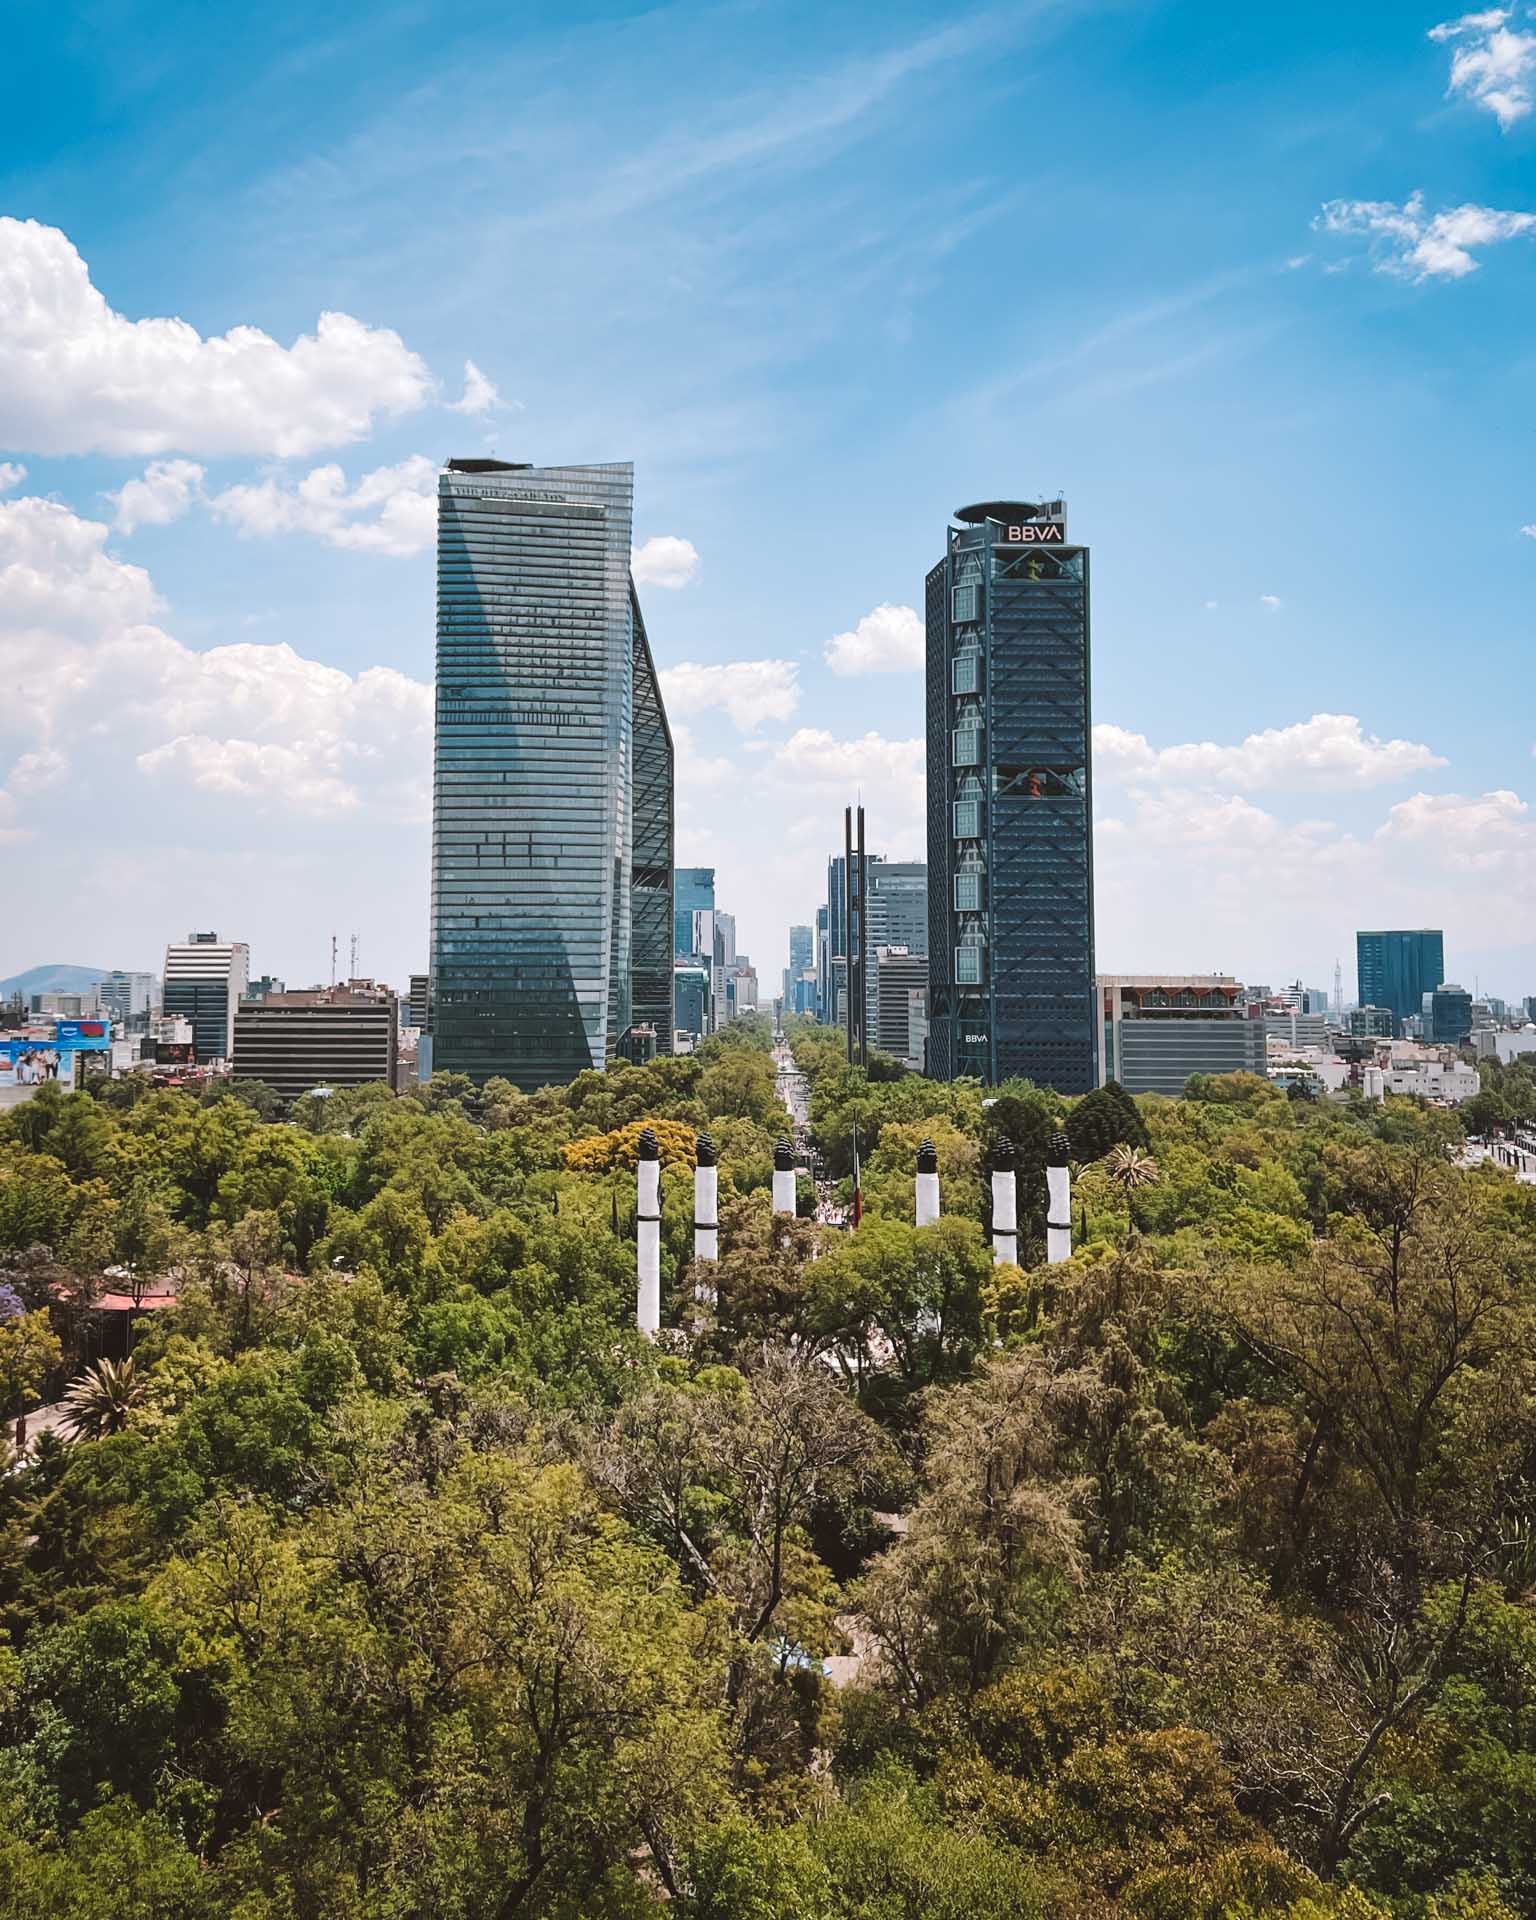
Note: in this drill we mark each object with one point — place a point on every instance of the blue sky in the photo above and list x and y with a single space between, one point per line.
824 273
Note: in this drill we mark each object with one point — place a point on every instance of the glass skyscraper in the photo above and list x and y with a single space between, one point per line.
1010 802
552 792
1397 967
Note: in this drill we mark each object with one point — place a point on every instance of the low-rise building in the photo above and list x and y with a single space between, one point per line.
1158 1029
346 1036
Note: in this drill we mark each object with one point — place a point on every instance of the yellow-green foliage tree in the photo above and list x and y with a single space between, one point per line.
619 1150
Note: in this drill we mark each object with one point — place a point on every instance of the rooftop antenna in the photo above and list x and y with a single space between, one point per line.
333 959
352 975
1338 987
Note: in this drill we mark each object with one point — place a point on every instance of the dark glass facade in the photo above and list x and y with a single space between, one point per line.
1397 967
552 792
1010 802
650 880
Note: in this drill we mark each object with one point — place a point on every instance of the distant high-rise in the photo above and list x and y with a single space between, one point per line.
897 917
552 801
1447 1015
127 996
1010 841
1398 967
693 893
205 979
802 960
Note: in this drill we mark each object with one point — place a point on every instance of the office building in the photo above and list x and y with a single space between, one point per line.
1293 1028
901 999
693 896
1397 967
1010 847
128 996
417 1005
1161 1028
740 987
692 999
1447 1015
724 964
1372 1023
82 1004
346 1036
205 979
896 916
823 960
258 989
802 950
552 800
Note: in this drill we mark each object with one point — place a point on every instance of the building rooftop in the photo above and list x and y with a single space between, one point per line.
1010 510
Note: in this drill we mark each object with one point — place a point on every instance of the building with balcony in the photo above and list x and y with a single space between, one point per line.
1161 1028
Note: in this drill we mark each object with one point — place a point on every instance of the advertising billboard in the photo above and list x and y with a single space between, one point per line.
26 1060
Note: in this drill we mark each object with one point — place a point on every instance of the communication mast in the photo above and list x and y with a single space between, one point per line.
1338 987
352 970
333 959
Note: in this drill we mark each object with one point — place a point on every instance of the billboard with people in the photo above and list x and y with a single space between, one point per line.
28 1059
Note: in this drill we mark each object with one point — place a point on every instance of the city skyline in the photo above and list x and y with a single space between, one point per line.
1260 383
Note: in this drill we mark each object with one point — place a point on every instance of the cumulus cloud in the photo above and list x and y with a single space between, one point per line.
91 669
11 476
665 560
1473 855
748 691
1271 602
161 494
76 377
392 510
1495 66
479 395
1530 531
889 639
1331 751
813 754
1413 245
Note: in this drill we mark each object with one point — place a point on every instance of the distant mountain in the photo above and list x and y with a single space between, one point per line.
52 979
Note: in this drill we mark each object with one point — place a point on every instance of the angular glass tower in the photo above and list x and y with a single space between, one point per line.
552 791
1010 802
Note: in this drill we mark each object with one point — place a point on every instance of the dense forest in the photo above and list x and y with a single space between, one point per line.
390 1573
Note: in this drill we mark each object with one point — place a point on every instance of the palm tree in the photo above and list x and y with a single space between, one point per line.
101 1399
1130 1169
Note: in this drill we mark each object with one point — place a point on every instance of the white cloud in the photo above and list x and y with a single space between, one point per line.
889 639
694 770
1414 247
392 510
813 754
1330 751
1271 601
33 772
91 671
665 560
749 691
163 493
480 394
1530 531
1473 857
11 475
1496 67
75 377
